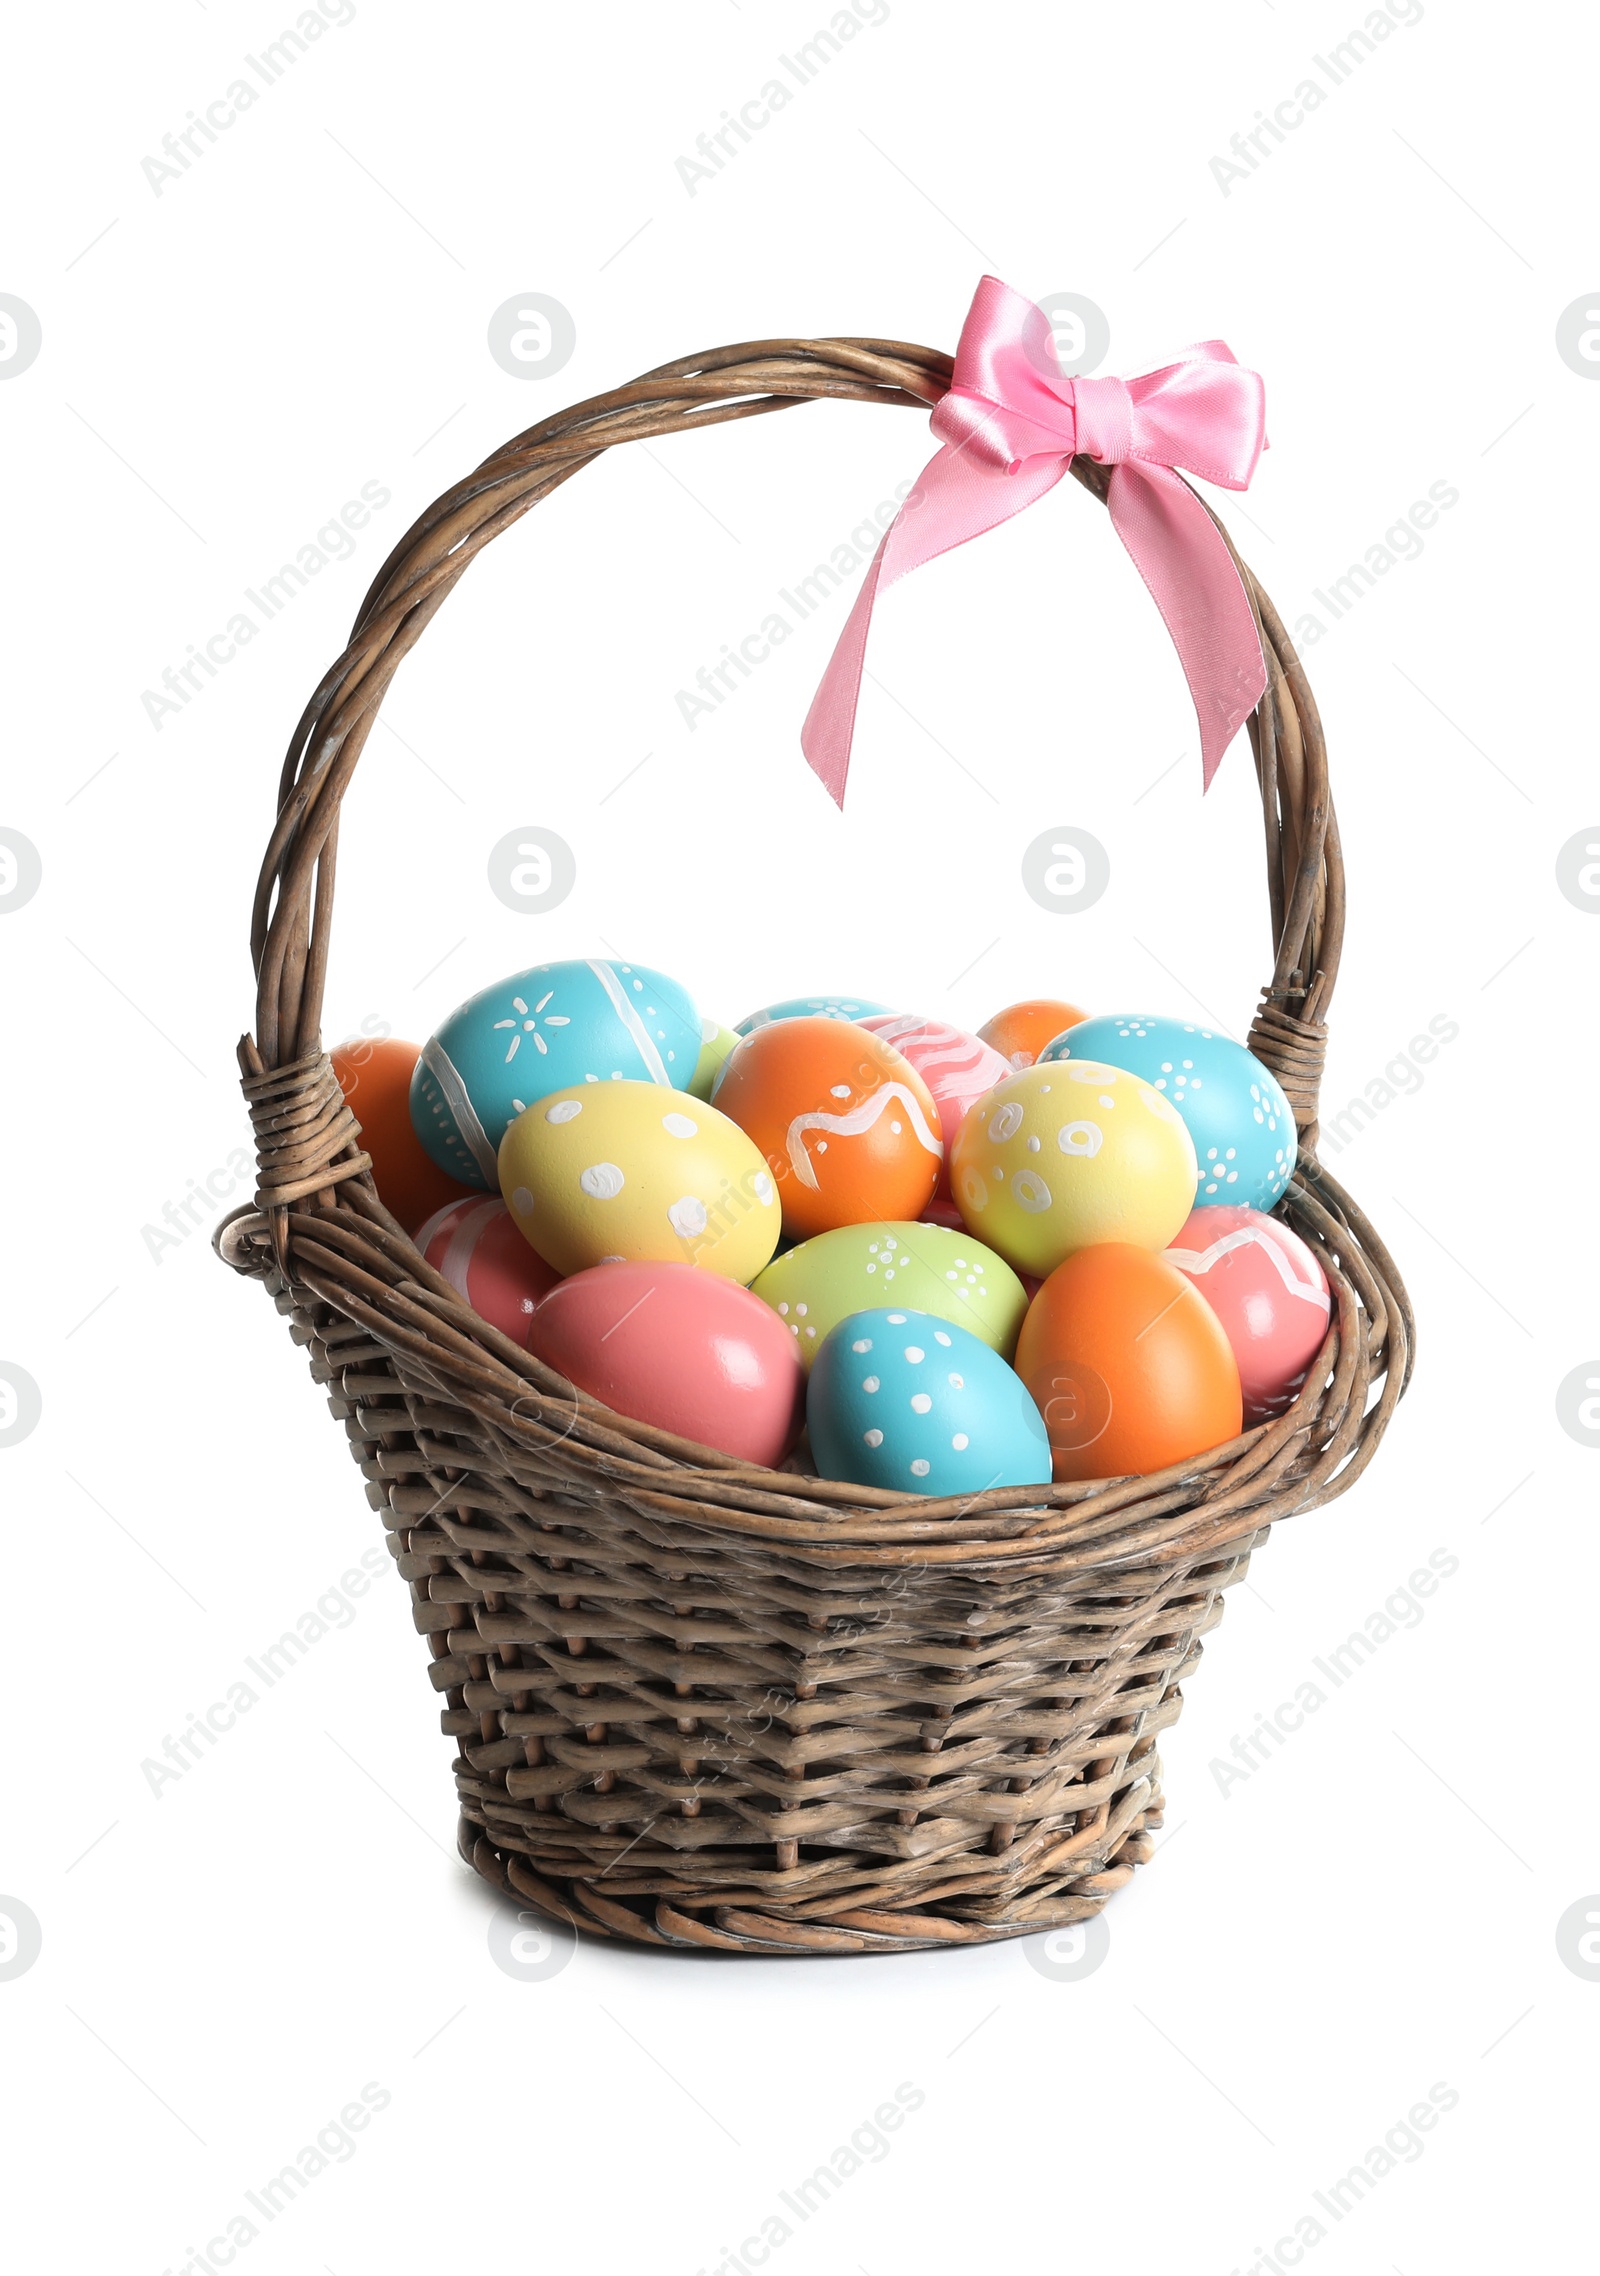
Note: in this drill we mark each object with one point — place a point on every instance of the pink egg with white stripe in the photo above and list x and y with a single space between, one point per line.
958 1068
477 1246
1268 1289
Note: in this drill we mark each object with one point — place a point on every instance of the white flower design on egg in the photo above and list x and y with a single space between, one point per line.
528 1024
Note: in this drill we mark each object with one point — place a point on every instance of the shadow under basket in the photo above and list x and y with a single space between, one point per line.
704 1705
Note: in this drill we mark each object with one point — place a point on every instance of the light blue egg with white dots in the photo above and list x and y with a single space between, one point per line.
1233 1105
914 1403
811 1007
581 1021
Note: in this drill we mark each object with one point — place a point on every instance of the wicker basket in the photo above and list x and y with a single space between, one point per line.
700 1704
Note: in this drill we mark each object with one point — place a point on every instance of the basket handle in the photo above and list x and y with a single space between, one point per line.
313 1143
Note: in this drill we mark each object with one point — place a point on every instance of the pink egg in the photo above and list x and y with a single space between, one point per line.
1267 1288
956 1067
475 1243
690 1351
941 1210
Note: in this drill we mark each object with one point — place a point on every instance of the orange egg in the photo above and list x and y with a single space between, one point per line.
1128 1365
375 1076
1021 1031
848 1127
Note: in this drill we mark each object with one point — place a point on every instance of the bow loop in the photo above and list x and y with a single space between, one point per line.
1205 413
1010 412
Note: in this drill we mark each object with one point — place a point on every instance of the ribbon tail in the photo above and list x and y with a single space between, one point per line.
956 497
1192 578
830 724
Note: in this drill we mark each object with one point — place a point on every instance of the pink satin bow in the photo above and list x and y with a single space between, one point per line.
1009 427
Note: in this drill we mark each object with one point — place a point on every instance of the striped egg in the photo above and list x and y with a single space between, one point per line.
958 1068
582 1021
476 1245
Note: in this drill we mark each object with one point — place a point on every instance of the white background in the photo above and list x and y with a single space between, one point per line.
1374 1909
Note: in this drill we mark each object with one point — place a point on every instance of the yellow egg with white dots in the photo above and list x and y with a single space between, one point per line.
628 1171
1064 1155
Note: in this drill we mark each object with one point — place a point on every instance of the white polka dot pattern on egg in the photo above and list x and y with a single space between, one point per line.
679 1126
601 1181
688 1216
564 1110
920 1403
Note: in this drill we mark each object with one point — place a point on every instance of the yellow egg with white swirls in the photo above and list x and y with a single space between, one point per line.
1061 1156
602 1172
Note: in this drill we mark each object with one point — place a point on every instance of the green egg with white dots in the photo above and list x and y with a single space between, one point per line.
916 1267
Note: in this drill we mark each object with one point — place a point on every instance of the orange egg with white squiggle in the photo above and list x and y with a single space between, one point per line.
848 1127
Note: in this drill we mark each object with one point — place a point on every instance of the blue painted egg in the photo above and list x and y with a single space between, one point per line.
1233 1106
582 1021
912 1402
811 1007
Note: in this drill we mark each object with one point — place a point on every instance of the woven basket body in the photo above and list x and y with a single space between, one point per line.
706 1705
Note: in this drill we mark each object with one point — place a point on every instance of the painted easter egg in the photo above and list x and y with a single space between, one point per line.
910 1401
1057 1157
1127 1364
809 1007
602 1171
847 1126
476 1244
941 1210
956 1067
375 1076
921 1267
583 1021
1021 1031
688 1351
715 1044
1233 1106
1267 1287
